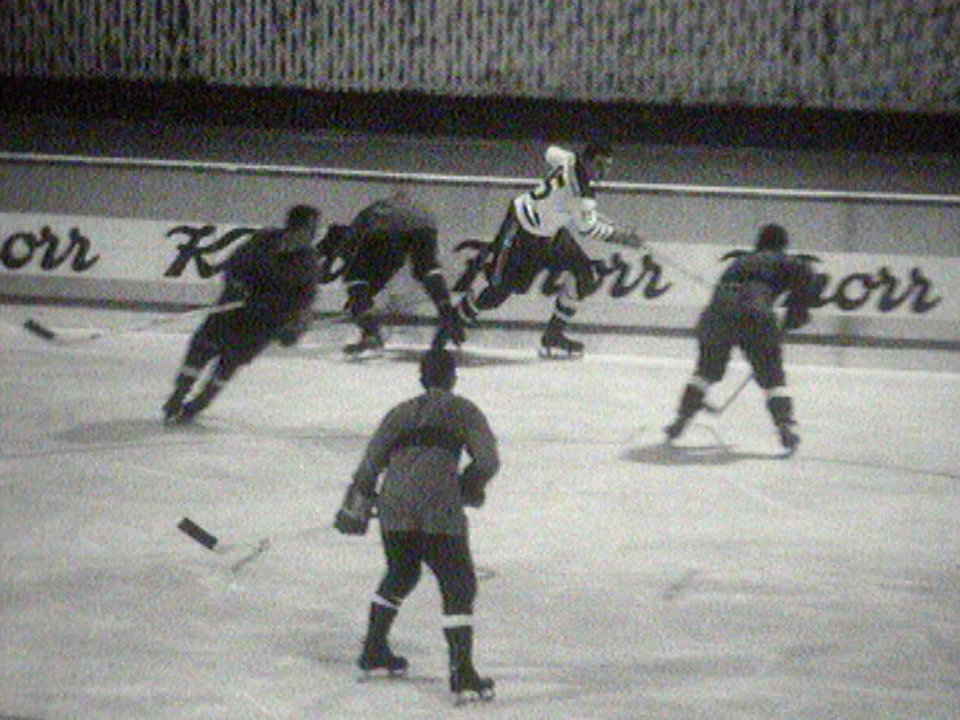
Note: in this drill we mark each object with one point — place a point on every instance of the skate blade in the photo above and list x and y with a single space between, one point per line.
555 354
364 355
466 697
376 674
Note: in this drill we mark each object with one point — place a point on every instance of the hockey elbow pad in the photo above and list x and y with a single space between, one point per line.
353 517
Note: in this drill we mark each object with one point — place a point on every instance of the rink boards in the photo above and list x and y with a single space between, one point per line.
138 232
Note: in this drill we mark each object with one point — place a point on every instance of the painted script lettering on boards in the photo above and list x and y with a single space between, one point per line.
853 291
847 293
47 251
207 259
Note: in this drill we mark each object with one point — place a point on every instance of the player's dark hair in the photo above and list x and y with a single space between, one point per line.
772 237
300 215
596 149
438 369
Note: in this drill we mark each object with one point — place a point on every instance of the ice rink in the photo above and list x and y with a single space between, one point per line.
620 578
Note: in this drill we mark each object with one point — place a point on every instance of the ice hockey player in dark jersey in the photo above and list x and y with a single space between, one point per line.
375 246
542 229
274 275
420 504
741 314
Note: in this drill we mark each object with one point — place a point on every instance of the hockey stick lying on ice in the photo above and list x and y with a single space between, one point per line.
53 336
243 555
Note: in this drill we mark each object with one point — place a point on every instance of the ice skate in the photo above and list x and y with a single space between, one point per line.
380 660
675 429
789 439
370 345
172 412
467 686
555 344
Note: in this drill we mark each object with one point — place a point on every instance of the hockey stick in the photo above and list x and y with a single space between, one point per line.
719 409
669 261
212 543
53 336
658 255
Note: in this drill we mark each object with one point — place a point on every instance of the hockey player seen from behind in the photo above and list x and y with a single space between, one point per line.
543 229
741 314
420 505
374 247
273 279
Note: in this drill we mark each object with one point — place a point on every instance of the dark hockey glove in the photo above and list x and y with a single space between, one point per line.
627 239
796 317
354 515
472 492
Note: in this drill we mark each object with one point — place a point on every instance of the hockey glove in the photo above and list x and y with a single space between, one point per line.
353 517
627 239
797 316
471 489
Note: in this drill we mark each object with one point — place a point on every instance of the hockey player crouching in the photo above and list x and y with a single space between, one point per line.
741 313
274 276
420 506
375 246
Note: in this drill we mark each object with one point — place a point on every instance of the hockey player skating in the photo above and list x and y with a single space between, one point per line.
274 276
542 230
741 313
420 505
375 246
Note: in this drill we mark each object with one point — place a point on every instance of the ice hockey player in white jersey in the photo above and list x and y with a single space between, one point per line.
542 230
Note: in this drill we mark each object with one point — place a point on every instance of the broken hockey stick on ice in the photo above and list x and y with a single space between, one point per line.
241 555
53 336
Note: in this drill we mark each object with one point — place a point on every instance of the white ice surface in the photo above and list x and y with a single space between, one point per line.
619 578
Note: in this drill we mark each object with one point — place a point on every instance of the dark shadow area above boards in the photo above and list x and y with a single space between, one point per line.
414 113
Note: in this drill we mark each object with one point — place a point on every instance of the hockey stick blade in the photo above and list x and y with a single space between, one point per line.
191 529
39 330
250 552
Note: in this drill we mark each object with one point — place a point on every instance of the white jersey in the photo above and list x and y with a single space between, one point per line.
563 199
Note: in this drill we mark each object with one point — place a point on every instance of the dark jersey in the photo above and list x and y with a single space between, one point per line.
277 288
384 235
395 214
277 284
741 313
418 446
755 281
